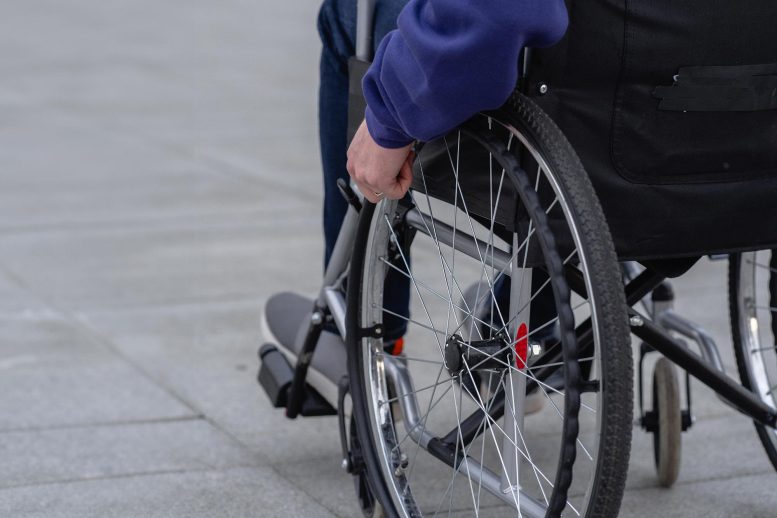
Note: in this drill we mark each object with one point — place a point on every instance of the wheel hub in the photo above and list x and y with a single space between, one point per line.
493 353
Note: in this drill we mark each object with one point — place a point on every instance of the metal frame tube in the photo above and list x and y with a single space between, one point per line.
520 292
709 349
464 243
744 400
341 253
365 22
396 372
397 375
335 302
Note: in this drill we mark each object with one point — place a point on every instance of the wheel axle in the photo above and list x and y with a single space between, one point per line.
494 353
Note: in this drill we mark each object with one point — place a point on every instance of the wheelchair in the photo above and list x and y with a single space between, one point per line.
534 242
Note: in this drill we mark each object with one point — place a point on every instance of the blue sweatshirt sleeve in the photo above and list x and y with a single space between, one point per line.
450 59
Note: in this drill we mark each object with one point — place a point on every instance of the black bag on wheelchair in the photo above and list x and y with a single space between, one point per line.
672 107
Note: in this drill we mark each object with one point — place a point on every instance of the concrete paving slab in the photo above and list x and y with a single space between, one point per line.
288 161
89 452
708 449
15 301
55 374
98 268
717 498
326 482
207 354
106 178
159 179
702 296
237 492
186 62
184 32
215 101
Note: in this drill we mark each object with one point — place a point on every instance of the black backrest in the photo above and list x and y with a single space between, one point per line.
672 107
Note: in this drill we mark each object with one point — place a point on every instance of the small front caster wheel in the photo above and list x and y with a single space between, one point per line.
667 442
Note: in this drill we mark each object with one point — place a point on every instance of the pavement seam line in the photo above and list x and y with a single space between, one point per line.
104 424
686 483
221 167
108 345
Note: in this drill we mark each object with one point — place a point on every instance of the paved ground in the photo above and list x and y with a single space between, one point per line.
158 180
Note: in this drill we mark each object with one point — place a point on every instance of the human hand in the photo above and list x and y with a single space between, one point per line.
379 171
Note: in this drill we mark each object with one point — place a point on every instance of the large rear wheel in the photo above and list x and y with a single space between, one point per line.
503 205
753 309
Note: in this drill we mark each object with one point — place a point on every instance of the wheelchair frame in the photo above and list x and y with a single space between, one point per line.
707 368
330 308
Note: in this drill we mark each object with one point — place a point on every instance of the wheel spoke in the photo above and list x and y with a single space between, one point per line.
417 391
412 279
424 421
764 266
411 321
476 242
440 296
472 229
487 417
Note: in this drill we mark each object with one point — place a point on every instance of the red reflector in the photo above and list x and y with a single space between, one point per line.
399 344
521 346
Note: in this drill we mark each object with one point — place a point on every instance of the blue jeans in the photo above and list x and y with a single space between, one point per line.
337 28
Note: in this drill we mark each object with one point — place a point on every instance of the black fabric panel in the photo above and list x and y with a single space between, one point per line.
671 183
660 37
459 157
737 88
356 102
442 164
671 267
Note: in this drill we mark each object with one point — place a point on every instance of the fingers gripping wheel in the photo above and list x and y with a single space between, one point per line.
501 205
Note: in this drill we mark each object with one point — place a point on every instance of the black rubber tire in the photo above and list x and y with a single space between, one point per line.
616 357
357 391
364 493
734 272
667 439
617 408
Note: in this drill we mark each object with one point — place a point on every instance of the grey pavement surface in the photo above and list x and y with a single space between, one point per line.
159 179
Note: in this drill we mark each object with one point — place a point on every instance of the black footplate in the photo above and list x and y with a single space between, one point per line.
276 376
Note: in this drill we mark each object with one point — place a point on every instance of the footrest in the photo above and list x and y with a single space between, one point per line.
275 377
275 374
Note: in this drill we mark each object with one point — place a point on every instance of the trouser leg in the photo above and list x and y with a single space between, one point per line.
337 29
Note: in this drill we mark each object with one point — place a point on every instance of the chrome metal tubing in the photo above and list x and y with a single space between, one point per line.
490 482
397 374
399 377
464 243
341 253
335 301
365 23
741 398
671 321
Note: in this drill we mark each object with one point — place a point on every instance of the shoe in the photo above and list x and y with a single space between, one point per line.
285 321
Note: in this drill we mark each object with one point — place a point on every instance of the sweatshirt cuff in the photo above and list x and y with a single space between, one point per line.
383 135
